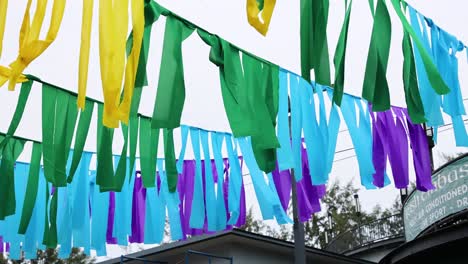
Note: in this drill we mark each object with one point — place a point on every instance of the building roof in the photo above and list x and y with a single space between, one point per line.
246 238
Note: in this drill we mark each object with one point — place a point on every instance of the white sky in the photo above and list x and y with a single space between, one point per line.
227 18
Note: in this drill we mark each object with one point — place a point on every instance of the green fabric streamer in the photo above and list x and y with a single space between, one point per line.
133 127
262 94
22 100
10 153
170 95
250 97
437 83
59 114
170 159
121 171
149 138
31 188
105 170
45 235
375 88
50 238
410 83
371 6
80 137
314 43
340 55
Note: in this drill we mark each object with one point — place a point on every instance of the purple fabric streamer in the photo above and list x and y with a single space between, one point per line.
282 180
110 220
1 245
379 149
421 158
138 212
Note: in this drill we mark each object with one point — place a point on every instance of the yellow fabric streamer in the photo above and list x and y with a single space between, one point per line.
30 47
84 51
3 12
253 12
138 21
113 24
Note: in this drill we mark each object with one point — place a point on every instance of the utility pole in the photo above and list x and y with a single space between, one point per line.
299 237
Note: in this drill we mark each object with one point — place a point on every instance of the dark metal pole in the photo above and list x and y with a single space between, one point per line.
430 142
299 238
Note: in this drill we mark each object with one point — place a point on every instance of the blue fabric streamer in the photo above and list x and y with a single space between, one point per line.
267 196
210 196
99 215
123 216
284 153
180 162
80 214
333 129
313 137
35 230
361 137
221 217
11 223
64 211
430 99
172 201
197 218
155 217
296 125
235 180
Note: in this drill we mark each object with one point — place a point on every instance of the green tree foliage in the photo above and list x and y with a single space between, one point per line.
50 256
339 202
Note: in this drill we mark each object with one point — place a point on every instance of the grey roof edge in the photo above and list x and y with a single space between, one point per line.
233 232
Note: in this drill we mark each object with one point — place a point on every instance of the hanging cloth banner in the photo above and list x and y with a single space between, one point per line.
361 137
430 99
314 43
410 83
197 218
59 116
218 173
444 49
296 125
87 20
81 202
155 215
421 158
375 88
99 215
235 180
259 14
35 228
10 153
32 188
170 94
149 138
340 55
210 196
123 217
437 83
12 222
30 47
380 142
114 15
3 13
284 152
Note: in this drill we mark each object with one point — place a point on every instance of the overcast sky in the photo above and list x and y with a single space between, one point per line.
227 18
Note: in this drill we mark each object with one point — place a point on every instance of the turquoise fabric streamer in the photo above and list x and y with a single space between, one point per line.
314 139
172 201
221 217
80 215
284 153
296 125
361 137
210 196
235 180
155 217
123 216
444 49
35 230
197 218
64 211
430 99
270 205
99 215
180 162
333 128
11 223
